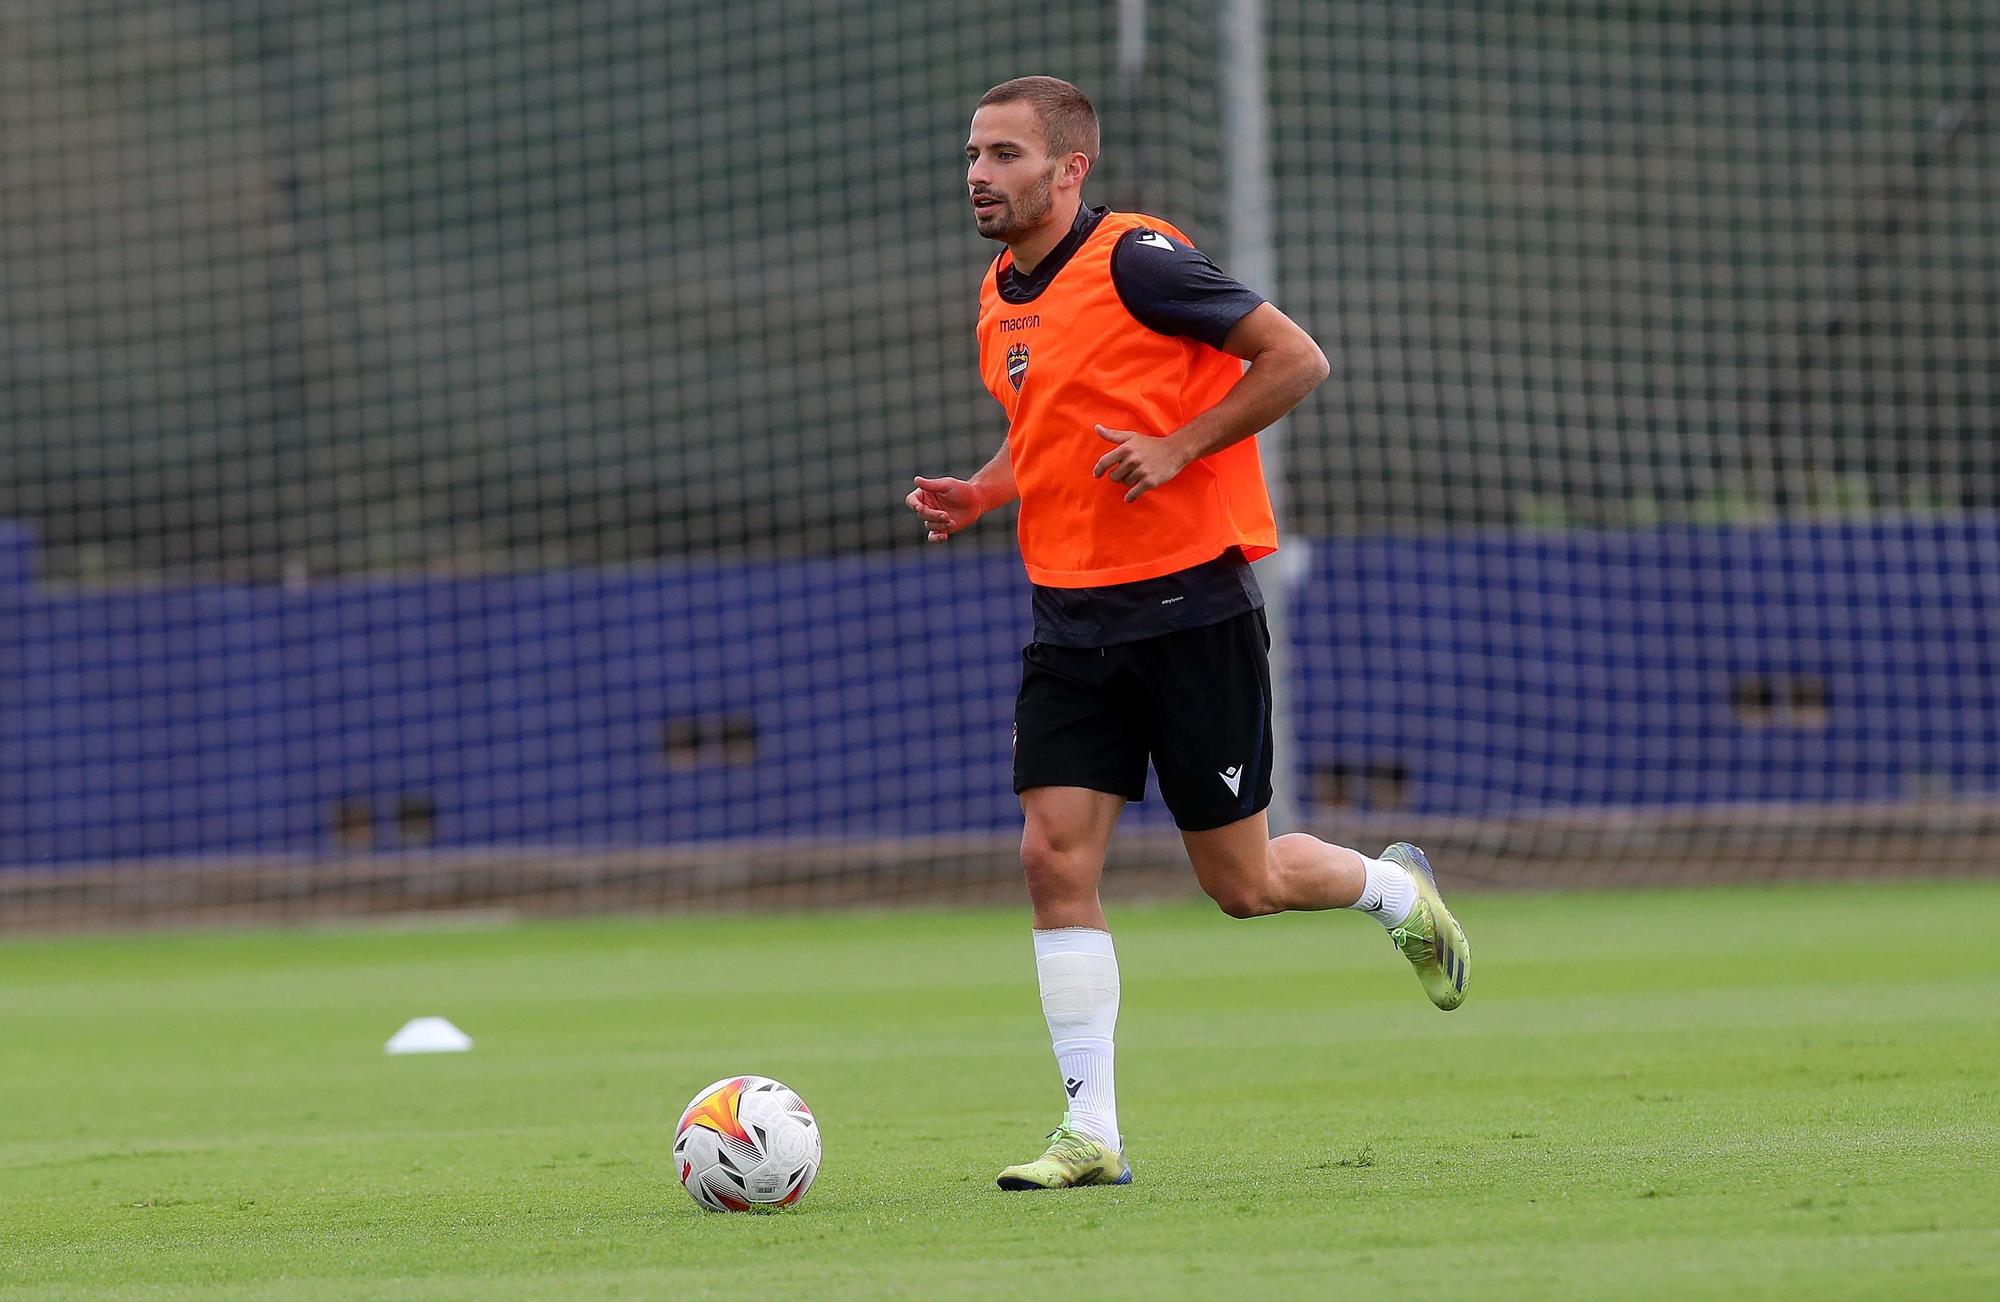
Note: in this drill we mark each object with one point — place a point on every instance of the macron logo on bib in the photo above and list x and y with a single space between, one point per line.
1155 240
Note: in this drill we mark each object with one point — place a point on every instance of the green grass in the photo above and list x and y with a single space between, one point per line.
1754 1092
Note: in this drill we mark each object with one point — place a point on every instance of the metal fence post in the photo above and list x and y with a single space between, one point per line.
1252 253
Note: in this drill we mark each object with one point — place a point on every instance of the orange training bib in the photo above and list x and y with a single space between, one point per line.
1075 358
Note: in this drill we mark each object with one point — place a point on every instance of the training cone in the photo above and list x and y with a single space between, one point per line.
428 1035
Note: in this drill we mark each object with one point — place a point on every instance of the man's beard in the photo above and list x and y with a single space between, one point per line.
1025 213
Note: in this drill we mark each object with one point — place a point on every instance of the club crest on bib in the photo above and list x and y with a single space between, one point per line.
1017 365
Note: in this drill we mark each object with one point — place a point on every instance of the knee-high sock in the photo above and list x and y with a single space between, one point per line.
1078 970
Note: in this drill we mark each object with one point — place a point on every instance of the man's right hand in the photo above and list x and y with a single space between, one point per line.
946 505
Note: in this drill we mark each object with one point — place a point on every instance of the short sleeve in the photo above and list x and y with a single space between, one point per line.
1171 287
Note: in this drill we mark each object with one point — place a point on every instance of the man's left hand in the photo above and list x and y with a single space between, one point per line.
1142 461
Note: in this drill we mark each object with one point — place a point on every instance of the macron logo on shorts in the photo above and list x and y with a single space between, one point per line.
1232 777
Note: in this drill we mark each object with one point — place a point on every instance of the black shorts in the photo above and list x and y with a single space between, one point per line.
1197 702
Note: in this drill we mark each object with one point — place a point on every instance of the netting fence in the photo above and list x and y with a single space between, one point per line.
454 450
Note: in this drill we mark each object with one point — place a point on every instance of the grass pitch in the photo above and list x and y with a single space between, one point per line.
1783 1091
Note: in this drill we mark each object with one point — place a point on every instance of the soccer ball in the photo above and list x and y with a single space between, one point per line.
747 1144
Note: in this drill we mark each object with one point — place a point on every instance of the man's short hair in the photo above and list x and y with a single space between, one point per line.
1069 123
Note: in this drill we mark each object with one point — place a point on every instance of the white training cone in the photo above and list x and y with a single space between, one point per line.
428 1035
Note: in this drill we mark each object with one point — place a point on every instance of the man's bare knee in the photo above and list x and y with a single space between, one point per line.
1236 866
1062 882
1049 862
1243 890
1243 899
1044 858
1062 853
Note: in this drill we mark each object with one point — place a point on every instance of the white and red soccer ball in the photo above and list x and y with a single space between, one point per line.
747 1144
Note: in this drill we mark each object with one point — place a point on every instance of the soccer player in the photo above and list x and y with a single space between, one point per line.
1118 352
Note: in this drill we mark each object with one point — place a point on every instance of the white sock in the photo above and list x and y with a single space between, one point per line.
1078 971
1389 895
